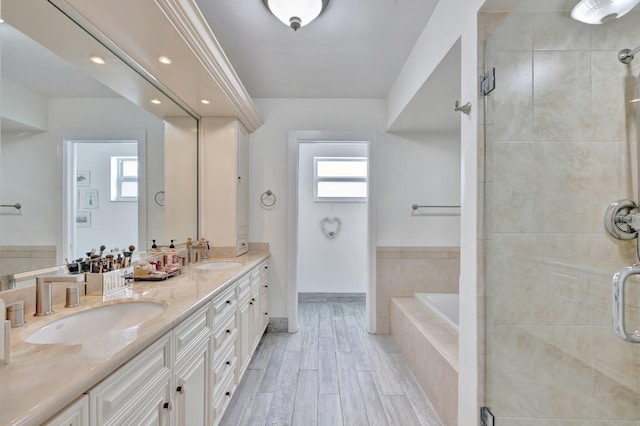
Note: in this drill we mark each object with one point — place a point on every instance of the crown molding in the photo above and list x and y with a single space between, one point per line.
187 19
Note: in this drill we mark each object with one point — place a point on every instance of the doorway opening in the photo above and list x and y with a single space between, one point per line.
103 195
331 217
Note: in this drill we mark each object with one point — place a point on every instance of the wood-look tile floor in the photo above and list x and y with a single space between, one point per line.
330 373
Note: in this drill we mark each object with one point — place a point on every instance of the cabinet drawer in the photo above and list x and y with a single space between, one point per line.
130 385
193 330
224 367
226 331
244 287
223 303
222 397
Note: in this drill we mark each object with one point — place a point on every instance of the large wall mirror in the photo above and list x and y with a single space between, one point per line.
86 158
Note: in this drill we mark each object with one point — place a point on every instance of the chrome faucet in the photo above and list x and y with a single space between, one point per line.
44 299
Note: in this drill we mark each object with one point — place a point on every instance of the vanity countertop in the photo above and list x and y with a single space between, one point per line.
41 380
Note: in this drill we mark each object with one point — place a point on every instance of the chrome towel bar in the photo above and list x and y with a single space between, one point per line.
16 206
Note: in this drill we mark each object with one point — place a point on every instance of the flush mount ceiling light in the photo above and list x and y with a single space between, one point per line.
296 13
165 60
155 101
601 11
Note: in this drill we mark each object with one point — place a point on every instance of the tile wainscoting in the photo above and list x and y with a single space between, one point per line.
403 271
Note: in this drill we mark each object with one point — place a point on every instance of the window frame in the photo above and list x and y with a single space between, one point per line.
317 179
118 178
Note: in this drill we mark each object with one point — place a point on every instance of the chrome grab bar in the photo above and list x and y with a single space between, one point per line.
619 281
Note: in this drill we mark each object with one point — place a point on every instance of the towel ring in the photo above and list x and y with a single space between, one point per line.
268 199
159 198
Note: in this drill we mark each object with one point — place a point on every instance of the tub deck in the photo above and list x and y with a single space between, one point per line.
431 349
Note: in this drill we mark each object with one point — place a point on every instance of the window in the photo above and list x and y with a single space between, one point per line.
340 179
124 178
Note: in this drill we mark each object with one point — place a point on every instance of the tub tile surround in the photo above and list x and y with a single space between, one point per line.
32 375
403 271
431 350
561 145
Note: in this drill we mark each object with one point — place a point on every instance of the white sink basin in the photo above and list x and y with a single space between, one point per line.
94 322
225 264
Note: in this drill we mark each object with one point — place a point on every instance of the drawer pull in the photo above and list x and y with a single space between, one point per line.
228 331
180 389
228 302
251 303
266 313
228 363
228 393
266 286
167 406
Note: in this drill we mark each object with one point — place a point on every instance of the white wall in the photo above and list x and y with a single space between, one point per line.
336 265
268 151
417 169
453 20
113 223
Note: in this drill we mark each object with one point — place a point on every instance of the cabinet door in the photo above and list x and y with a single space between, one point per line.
245 336
256 319
192 386
76 414
242 168
127 391
153 410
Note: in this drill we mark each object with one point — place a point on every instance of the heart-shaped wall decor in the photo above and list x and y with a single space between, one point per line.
331 227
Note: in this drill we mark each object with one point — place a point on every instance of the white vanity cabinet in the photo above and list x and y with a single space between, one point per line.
262 315
140 392
191 376
188 376
224 164
76 414
245 323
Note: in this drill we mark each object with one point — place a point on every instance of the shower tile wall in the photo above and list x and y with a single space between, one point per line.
561 145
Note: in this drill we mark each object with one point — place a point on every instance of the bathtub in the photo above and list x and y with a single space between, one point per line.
444 305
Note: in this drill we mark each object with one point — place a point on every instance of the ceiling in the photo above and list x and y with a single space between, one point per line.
354 50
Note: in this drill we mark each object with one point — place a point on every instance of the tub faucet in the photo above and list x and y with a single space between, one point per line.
44 300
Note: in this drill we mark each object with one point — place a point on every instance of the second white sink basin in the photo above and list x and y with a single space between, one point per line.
94 322
224 264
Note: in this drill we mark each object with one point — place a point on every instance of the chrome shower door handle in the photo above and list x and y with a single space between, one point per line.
618 288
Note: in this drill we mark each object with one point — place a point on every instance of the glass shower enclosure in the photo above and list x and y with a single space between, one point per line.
560 140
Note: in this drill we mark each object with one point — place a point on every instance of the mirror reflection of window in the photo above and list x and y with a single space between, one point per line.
124 178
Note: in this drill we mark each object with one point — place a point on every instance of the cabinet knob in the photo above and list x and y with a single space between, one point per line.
228 302
266 313
180 389
228 393
251 303
228 363
228 331
266 286
167 406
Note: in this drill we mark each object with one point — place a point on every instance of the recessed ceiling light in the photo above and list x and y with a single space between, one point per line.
156 101
98 60
165 60
205 101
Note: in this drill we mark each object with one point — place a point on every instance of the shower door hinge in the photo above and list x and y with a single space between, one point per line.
486 418
488 82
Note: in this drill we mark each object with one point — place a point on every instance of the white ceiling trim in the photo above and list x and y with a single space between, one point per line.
188 21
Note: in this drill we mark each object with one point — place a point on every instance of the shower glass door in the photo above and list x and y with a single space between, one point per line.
560 139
